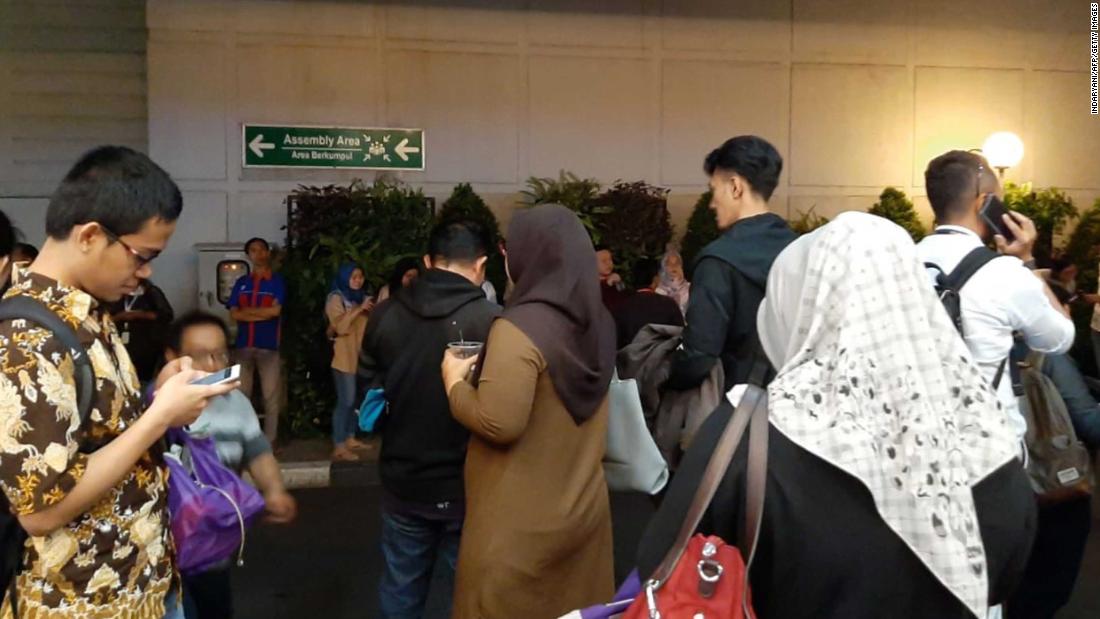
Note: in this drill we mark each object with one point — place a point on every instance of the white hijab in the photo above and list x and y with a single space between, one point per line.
874 379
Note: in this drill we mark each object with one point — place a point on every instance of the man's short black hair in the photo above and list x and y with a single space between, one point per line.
28 250
256 239
751 157
951 182
193 319
7 235
645 271
115 186
602 247
457 241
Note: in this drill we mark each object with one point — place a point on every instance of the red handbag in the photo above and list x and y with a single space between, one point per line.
703 577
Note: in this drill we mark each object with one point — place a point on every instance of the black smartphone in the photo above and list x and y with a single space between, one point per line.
992 213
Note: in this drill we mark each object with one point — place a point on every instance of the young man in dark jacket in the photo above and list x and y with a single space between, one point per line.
423 447
727 283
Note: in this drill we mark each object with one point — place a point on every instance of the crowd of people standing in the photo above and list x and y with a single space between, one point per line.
897 481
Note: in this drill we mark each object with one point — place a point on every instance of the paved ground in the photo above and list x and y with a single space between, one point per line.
326 566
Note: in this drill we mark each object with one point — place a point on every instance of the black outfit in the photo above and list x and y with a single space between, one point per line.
145 339
209 595
612 296
727 286
644 308
1063 527
423 447
824 550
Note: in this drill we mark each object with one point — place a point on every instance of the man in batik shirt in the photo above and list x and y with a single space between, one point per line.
92 496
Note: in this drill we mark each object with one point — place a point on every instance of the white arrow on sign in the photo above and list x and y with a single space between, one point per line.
403 149
258 146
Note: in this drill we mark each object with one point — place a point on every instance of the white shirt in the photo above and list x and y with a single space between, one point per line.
1002 297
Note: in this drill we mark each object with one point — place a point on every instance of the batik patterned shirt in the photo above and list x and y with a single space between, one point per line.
115 560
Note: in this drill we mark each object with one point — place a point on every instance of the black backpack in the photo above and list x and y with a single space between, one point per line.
949 286
12 535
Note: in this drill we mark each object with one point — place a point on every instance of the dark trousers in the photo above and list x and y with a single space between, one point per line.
411 546
1055 560
208 595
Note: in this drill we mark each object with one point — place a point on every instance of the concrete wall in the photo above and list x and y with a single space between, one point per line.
72 76
856 94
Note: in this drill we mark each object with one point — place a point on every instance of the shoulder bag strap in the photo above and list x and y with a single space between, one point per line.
752 403
26 308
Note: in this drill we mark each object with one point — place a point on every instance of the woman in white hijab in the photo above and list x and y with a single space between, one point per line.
893 486
673 282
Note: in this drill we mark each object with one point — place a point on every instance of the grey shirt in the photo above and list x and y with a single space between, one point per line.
232 422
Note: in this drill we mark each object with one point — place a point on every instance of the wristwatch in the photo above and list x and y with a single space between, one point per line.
1030 264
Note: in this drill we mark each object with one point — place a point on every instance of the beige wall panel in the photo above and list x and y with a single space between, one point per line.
851 125
1063 137
875 33
616 23
493 21
195 15
753 28
1059 36
342 19
307 85
467 104
705 103
590 116
188 121
960 108
976 33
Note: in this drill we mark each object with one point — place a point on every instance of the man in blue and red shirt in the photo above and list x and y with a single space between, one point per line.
256 304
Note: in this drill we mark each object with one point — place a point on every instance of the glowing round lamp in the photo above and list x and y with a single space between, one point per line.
1004 150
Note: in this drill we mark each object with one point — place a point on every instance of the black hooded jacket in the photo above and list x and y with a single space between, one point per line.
727 286
423 447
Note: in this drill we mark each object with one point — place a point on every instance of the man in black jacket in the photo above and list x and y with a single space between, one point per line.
423 447
727 283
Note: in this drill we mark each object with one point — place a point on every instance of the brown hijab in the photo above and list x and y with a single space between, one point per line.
556 302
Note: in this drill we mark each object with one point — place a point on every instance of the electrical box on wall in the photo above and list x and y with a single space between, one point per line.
220 266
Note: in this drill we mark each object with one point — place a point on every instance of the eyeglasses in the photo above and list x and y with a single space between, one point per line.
141 260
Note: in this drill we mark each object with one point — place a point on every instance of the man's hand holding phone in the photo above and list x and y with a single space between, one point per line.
1023 229
179 401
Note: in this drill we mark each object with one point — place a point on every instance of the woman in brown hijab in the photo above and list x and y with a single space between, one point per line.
537 537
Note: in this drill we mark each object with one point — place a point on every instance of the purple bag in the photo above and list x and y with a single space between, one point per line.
624 597
211 506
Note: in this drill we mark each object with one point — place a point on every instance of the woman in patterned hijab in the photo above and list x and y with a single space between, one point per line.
874 379
893 487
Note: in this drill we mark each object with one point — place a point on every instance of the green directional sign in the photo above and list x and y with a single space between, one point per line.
366 148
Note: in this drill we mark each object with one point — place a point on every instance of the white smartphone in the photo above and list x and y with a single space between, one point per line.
227 375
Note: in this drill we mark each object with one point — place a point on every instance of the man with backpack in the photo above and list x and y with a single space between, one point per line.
990 295
80 464
1064 430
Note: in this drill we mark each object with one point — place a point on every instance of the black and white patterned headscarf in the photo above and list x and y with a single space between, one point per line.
874 379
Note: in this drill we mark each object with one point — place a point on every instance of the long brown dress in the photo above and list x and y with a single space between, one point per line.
537 538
